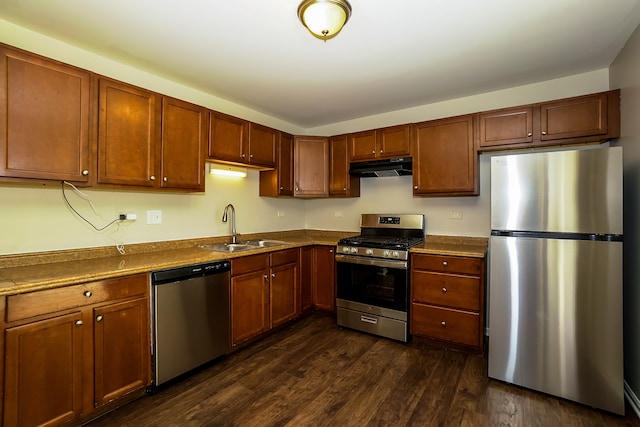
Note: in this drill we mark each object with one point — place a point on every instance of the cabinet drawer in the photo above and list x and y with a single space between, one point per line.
38 303
287 256
449 264
446 289
445 324
248 264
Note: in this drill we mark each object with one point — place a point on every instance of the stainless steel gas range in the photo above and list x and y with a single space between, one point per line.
373 274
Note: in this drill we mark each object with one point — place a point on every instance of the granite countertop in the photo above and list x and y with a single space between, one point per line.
32 272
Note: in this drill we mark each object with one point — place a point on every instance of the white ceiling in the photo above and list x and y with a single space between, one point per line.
392 54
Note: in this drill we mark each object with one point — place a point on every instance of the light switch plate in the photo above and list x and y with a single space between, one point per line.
154 217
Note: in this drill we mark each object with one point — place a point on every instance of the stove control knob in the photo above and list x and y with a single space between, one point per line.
345 249
386 253
396 254
354 250
369 252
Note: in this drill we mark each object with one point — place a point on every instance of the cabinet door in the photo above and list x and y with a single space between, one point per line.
363 145
506 127
311 165
228 138
574 118
394 141
44 118
249 306
283 290
43 372
185 130
324 294
341 183
306 278
128 134
262 145
121 349
279 182
444 158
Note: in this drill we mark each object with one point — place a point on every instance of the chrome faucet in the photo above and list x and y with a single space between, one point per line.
234 233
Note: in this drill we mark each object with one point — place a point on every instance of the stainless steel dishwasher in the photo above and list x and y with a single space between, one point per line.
190 318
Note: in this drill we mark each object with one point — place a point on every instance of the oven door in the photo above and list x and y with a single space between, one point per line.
373 281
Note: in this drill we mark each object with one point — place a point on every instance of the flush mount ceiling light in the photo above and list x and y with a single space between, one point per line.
324 18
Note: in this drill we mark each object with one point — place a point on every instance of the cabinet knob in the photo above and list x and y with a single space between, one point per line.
251 156
415 187
373 152
273 274
443 323
544 132
87 294
85 172
282 188
152 177
444 290
530 133
330 251
344 189
99 318
266 277
381 151
79 322
244 155
445 263
296 188
165 179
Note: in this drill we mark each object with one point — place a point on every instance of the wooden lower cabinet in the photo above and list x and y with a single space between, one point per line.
306 278
447 299
264 293
61 366
317 278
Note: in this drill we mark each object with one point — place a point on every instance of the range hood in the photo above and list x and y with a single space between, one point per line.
379 168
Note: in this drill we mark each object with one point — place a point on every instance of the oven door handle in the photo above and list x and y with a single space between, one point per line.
377 262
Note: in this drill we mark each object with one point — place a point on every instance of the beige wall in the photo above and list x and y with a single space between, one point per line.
625 75
36 219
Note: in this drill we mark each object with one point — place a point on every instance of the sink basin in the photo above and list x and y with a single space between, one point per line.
228 247
264 243
242 246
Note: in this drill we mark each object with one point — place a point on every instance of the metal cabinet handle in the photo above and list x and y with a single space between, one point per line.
282 188
530 133
244 155
330 251
445 263
99 318
152 177
266 277
381 151
444 290
85 172
443 323
544 132
251 156
273 274
296 188
373 152
87 294
79 322
415 187
165 179
344 189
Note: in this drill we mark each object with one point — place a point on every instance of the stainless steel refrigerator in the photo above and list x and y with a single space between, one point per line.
555 257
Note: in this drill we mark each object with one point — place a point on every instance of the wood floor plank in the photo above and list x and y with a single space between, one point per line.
312 373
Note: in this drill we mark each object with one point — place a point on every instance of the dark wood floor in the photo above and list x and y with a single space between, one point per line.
314 374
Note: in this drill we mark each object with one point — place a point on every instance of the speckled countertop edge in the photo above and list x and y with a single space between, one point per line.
33 272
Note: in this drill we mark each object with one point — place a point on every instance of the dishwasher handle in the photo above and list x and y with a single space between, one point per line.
188 272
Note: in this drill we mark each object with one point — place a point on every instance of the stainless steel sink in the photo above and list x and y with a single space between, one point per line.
242 246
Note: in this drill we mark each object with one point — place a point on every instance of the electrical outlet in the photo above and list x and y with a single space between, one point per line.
154 217
456 215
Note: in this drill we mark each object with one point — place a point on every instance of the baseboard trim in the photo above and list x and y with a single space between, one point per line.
632 398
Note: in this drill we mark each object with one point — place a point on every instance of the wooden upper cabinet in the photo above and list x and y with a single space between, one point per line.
44 118
128 134
507 126
262 145
311 166
279 182
577 120
394 141
228 136
341 184
185 130
389 142
236 140
445 162
574 118
362 145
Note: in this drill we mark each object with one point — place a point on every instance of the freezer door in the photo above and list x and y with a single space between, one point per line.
573 191
555 318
